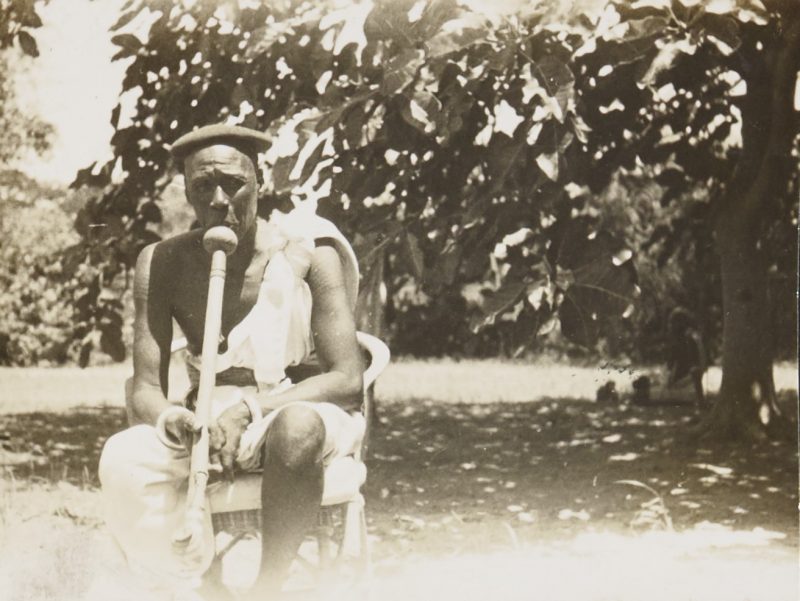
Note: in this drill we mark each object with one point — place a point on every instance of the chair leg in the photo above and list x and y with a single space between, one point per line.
354 529
354 565
325 530
212 586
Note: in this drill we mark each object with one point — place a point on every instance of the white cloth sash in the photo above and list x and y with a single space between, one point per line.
276 333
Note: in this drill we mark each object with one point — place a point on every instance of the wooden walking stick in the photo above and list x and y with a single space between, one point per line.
219 241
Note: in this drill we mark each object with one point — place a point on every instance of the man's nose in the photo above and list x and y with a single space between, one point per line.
219 200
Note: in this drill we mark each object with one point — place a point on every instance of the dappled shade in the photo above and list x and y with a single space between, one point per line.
461 477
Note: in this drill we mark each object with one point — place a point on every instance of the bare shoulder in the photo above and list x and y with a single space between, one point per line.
180 245
326 266
158 263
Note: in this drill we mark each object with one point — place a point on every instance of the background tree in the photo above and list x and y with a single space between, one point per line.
462 152
37 317
722 126
18 130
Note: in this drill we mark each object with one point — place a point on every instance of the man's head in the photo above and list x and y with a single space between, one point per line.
219 163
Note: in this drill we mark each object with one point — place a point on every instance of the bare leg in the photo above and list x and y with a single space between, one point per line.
291 490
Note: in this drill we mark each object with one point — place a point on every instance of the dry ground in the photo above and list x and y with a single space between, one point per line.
468 497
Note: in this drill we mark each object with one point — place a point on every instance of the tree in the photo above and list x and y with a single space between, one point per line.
358 85
764 178
714 72
459 150
18 130
35 321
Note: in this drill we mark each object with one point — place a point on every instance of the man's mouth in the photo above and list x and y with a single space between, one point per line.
229 224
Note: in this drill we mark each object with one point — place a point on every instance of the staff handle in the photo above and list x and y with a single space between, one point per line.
220 242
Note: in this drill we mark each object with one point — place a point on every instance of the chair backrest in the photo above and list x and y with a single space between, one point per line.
379 356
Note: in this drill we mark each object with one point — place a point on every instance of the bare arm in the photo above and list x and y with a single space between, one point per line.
334 331
152 336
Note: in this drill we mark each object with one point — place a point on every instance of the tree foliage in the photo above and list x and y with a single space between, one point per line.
36 308
461 150
37 324
17 19
415 123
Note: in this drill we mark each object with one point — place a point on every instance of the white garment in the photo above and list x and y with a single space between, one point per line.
144 493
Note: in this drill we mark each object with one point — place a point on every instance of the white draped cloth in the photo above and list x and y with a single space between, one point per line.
144 482
277 331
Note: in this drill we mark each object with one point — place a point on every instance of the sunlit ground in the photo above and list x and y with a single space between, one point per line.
705 563
546 495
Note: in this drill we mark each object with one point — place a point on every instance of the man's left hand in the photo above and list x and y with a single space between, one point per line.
226 432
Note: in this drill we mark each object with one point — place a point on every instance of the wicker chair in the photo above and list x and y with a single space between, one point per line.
341 533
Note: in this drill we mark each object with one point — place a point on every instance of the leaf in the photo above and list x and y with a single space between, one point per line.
548 163
30 18
577 325
446 268
124 19
596 275
28 44
506 296
129 45
401 71
559 82
723 28
115 116
456 35
415 255
150 212
500 60
421 111
645 28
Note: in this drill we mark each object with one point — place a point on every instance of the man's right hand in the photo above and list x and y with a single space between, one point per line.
180 426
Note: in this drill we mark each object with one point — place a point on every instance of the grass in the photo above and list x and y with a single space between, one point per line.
442 380
486 479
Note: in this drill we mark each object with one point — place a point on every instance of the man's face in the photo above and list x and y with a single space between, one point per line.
222 188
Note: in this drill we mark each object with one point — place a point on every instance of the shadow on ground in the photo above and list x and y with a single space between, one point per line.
465 478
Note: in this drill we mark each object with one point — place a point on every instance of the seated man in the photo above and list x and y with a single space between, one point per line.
289 291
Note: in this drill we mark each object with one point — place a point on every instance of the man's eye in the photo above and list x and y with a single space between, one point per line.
232 185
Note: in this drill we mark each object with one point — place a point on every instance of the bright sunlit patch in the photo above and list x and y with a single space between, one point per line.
797 92
725 472
624 457
506 118
569 514
415 12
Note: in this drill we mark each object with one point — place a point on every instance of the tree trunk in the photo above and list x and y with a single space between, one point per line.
746 406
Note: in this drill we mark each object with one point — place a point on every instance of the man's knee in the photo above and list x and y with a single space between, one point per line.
296 438
119 451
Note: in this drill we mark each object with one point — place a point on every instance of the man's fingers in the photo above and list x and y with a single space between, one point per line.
228 454
216 437
187 421
227 459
